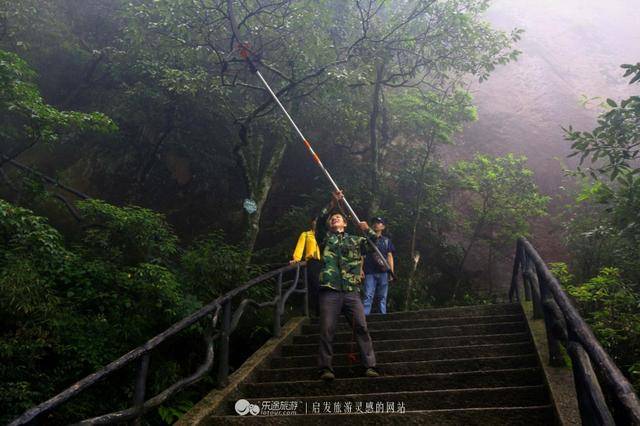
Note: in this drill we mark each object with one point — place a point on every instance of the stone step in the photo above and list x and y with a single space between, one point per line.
452 312
424 333
510 416
414 382
511 396
473 365
389 345
454 352
404 368
422 323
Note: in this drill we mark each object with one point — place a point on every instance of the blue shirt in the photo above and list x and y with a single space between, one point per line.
385 246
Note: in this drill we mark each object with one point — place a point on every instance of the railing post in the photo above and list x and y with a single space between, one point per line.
277 311
569 327
141 385
306 291
223 353
219 309
526 281
535 293
555 356
593 406
517 263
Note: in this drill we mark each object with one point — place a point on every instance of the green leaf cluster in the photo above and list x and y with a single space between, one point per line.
611 306
612 148
25 116
498 197
70 307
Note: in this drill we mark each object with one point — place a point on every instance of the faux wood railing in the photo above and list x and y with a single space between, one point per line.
592 366
222 321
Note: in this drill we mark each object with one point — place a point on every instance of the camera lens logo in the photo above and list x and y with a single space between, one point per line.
244 407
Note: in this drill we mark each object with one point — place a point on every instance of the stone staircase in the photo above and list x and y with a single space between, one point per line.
473 365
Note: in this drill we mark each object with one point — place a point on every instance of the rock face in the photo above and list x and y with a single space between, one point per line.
571 49
468 365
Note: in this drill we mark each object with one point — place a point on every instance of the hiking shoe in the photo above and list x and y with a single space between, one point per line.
327 374
371 372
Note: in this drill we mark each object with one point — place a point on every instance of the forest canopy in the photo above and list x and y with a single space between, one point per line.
145 170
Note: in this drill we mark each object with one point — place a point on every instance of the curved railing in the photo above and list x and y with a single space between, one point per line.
222 322
591 364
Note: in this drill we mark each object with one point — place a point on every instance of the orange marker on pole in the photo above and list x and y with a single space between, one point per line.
245 52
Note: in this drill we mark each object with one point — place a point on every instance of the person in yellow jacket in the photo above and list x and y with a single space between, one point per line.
307 249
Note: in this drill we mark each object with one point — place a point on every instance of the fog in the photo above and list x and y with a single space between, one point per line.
571 48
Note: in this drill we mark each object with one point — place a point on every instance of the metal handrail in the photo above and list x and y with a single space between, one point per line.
219 309
564 325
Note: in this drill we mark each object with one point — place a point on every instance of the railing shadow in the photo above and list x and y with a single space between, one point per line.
591 364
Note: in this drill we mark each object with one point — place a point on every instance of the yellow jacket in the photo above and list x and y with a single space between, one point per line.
306 244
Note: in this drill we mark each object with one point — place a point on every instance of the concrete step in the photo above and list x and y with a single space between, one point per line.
389 345
511 396
414 382
452 312
509 416
425 333
404 368
453 352
454 366
422 323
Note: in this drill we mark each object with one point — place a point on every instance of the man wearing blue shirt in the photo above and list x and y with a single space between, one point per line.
376 279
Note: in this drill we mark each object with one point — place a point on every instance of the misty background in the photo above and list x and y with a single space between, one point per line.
571 51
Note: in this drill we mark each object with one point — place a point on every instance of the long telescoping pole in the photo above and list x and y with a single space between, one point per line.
245 53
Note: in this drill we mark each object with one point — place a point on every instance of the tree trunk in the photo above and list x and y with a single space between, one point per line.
415 256
258 182
490 269
374 203
473 240
258 174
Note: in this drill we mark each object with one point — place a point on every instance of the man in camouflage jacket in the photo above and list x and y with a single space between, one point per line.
340 279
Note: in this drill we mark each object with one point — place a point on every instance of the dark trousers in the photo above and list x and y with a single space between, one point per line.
332 303
313 281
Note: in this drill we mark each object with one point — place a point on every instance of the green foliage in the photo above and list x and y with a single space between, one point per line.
27 236
323 59
450 33
195 138
126 235
603 225
25 116
560 270
631 69
611 306
171 413
212 267
420 118
475 299
498 198
614 227
420 207
67 312
603 235
612 147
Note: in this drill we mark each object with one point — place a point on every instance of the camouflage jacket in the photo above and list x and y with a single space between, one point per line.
342 256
